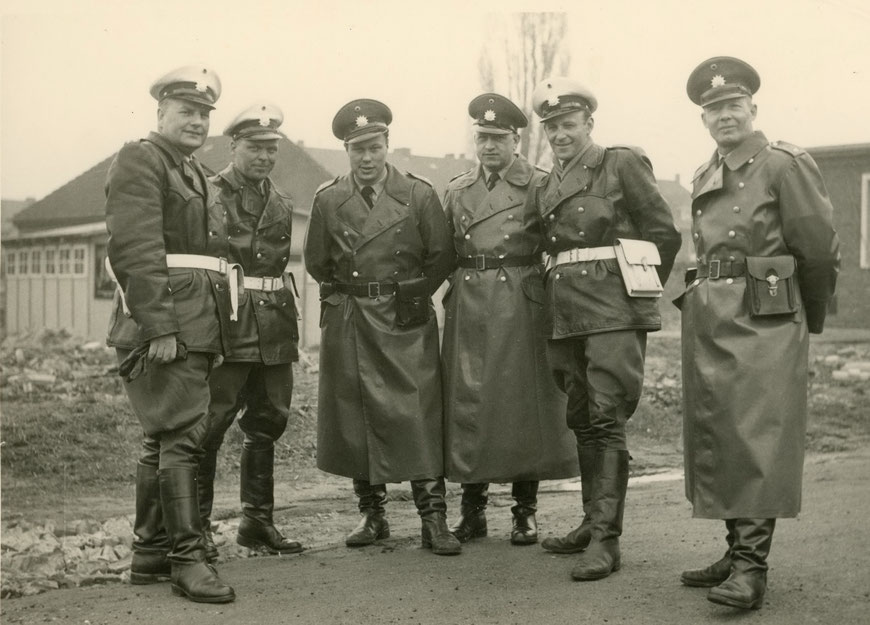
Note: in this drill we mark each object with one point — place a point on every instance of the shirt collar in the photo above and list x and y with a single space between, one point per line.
377 186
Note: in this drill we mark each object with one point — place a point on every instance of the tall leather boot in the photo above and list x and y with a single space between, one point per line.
602 556
432 508
472 512
717 572
257 529
192 576
578 539
205 488
151 546
525 526
746 585
373 524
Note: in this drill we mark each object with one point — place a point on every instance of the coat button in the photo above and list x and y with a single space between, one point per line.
696 236
740 185
736 209
558 276
283 304
506 237
283 237
510 217
284 259
398 231
552 217
503 279
731 234
751 160
345 233
580 209
468 277
553 239
398 252
467 236
584 273
355 274
698 212
462 218
211 233
696 283
729 281
731 258
259 255
261 303
581 234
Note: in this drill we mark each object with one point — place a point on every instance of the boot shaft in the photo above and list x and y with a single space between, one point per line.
608 503
372 497
178 494
429 496
752 540
257 482
148 526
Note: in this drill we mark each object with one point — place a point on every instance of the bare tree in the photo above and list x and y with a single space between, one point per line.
520 50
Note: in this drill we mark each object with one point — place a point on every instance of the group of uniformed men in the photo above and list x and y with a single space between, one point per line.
542 362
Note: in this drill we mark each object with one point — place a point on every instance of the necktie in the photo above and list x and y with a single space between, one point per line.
367 193
493 179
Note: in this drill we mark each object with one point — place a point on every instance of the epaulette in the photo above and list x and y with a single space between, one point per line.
420 178
788 148
700 170
459 175
542 170
631 148
326 185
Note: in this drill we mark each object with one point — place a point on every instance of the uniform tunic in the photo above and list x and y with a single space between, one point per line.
744 378
504 416
380 415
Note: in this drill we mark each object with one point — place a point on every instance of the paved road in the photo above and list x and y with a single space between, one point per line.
819 572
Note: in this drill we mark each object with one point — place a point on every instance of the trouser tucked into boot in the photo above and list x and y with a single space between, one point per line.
578 539
192 577
747 583
257 528
472 512
525 526
151 546
373 524
205 488
717 572
432 508
602 556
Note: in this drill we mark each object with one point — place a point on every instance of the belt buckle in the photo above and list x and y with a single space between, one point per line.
480 262
263 286
271 284
714 269
376 293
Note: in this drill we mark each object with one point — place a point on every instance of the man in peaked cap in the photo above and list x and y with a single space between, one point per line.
257 374
594 199
504 416
761 218
167 323
379 245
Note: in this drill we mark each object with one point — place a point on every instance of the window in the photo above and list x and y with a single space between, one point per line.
10 264
79 260
22 262
50 267
104 288
36 262
63 255
865 222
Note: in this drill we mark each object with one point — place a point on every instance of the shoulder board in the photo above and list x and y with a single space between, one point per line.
327 184
700 170
459 175
420 178
542 170
631 148
788 148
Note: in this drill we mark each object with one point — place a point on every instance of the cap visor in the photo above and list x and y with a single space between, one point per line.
490 130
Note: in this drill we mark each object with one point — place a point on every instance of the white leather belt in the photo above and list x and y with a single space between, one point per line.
197 261
584 254
263 284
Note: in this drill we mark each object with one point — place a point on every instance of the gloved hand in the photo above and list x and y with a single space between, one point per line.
136 362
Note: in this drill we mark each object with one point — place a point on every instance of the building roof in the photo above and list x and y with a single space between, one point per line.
849 150
82 199
8 210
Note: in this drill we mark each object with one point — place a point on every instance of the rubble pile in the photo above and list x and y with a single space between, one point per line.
850 364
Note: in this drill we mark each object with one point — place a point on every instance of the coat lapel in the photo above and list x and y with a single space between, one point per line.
503 196
390 208
574 179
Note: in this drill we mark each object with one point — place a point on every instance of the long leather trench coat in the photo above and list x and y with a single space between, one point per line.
380 414
745 378
267 330
157 203
504 415
608 193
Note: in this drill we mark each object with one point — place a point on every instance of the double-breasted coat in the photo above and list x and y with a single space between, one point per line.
745 378
259 240
504 416
380 414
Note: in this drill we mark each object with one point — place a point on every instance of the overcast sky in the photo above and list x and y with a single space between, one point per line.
75 76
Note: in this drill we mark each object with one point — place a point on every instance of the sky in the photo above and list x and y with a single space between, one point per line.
74 77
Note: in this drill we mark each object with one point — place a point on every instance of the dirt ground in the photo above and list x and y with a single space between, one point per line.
819 571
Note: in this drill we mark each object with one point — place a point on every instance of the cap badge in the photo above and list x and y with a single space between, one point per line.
489 115
361 121
264 120
553 100
201 86
717 81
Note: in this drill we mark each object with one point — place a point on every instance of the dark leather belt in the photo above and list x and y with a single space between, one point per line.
368 289
716 269
482 262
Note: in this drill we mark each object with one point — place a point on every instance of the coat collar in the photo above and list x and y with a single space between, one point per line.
273 211
390 207
710 176
574 178
190 167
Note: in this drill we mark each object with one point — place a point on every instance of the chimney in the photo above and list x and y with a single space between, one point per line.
300 143
677 178
449 157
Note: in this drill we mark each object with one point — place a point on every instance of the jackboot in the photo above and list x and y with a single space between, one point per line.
192 576
257 529
151 546
602 556
205 475
373 524
472 512
432 508
578 539
746 585
717 572
525 526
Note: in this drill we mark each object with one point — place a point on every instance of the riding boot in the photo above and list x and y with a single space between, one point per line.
747 583
525 526
578 539
373 524
717 572
257 528
192 577
602 556
432 508
205 489
151 545
472 512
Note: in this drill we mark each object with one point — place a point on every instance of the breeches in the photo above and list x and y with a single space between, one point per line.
602 374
